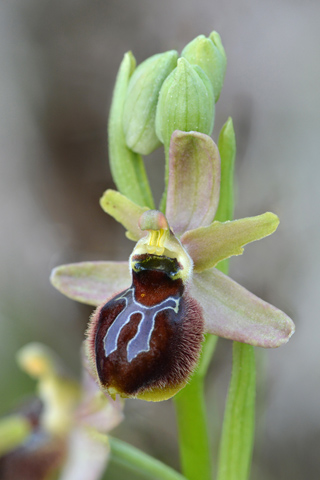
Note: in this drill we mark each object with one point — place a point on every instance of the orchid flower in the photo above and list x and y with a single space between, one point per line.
144 339
68 431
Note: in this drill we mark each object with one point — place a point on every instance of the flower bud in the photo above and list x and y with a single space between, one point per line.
209 54
141 101
127 167
186 102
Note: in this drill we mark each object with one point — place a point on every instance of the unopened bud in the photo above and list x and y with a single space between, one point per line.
209 54
141 101
186 102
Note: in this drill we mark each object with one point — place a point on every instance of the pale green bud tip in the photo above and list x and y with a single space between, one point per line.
200 51
141 101
129 62
227 138
216 39
209 54
185 102
227 128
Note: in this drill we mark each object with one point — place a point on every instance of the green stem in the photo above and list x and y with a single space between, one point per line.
195 451
238 426
139 462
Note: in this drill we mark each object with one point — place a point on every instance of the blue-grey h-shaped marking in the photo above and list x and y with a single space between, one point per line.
141 341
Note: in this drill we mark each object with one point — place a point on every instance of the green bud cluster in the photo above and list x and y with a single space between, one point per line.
163 94
166 93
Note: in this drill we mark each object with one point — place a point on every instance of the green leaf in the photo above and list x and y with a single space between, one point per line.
194 181
124 211
238 425
209 245
227 149
127 167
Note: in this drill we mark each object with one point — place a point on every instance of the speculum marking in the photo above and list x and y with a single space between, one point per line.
141 341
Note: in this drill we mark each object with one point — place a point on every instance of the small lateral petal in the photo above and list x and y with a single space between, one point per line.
91 282
209 245
124 211
232 312
194 181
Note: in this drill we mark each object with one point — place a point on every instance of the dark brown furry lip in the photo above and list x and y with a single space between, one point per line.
175 340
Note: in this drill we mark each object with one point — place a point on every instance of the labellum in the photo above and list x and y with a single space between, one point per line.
145 342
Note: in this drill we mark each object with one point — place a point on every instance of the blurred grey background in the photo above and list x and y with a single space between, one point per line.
59 60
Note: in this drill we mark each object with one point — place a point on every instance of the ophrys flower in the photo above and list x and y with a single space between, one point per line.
145 341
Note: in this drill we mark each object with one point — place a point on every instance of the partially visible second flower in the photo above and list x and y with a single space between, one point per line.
145 341
67 430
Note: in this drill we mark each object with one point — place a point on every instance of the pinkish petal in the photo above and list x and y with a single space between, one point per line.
87 456
96 409
232 312
194 181
207 246
91 282
124 211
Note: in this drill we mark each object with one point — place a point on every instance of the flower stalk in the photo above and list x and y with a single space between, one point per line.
192 421
135 460
195 450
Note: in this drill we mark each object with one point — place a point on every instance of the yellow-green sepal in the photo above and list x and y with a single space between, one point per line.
209 245
124 211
